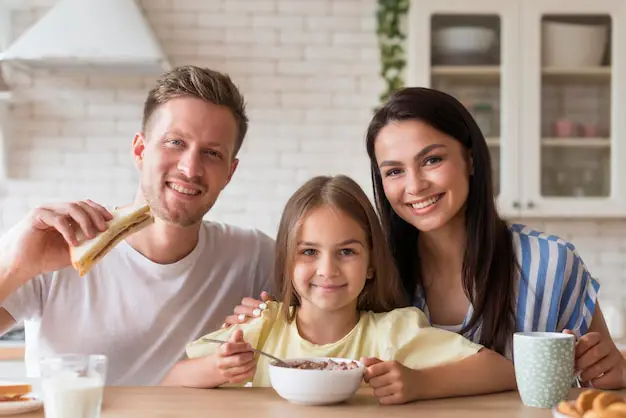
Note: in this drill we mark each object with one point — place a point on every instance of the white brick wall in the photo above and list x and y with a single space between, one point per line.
309 71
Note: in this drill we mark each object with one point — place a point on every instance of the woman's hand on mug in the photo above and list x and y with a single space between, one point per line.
599 362
249 308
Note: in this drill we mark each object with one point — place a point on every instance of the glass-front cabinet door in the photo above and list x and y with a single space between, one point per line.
572 119
470 49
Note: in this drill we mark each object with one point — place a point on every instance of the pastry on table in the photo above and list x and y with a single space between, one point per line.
594 403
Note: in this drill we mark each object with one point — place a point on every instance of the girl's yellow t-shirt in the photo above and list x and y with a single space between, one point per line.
404 335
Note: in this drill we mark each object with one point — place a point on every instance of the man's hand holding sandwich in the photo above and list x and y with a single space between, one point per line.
56 236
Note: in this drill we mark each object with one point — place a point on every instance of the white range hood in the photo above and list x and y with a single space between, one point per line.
94 35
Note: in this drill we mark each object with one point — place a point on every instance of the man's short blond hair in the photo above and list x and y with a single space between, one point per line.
202 83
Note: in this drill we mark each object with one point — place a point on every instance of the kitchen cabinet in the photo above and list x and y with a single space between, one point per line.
546 83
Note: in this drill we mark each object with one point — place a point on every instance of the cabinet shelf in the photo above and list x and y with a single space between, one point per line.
464 72
489 71
578 71
568 75
577 142
563 142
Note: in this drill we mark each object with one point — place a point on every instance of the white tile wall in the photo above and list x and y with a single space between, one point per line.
309 71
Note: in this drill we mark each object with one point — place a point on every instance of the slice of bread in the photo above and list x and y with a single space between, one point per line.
10 391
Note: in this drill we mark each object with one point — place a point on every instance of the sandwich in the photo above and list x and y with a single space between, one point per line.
125 221
13 391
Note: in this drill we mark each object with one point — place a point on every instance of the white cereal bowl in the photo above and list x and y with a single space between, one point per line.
316 387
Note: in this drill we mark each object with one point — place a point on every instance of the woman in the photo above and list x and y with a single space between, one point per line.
464 266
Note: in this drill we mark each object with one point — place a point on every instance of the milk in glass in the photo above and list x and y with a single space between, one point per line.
70 396
72 385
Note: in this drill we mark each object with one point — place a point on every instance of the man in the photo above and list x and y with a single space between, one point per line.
167 284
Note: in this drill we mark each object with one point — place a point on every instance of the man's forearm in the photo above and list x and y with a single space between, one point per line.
12 275
195 373
485 372
10 278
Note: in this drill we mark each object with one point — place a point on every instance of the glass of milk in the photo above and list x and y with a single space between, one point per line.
72 385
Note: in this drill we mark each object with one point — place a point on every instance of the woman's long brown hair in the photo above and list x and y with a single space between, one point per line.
383 292
489 263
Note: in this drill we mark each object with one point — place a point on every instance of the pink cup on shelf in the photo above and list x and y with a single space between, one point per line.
564 128
590 130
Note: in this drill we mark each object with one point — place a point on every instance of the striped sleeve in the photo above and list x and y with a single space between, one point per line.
556 291
579 295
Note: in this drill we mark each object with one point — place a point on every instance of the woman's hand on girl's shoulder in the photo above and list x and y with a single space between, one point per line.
249 308
391 380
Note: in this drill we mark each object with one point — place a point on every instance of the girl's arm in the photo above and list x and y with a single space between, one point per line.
195 373
233 362
483 372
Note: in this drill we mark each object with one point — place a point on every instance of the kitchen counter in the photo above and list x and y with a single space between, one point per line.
13 351
132 402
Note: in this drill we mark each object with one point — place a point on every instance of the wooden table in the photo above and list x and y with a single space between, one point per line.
162 402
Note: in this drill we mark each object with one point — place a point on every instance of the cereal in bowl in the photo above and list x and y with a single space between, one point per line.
321 365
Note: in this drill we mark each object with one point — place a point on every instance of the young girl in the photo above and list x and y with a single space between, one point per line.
339 288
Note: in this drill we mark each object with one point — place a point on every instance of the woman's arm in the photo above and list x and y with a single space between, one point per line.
484 372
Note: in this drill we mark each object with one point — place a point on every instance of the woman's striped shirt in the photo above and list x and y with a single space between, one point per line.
554 289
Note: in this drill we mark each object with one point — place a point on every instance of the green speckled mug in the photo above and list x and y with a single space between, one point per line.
544 367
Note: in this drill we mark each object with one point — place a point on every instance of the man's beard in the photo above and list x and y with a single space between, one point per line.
181 215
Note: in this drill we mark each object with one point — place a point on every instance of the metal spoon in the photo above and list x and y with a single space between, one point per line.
284 363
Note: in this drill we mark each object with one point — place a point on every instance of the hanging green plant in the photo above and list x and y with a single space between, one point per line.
391 17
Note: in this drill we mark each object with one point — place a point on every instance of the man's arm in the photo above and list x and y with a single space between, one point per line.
12 276
40 243
10 281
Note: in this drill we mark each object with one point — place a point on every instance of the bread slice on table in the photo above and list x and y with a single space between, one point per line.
13 391
126 221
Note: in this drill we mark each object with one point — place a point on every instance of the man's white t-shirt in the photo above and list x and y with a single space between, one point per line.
139 313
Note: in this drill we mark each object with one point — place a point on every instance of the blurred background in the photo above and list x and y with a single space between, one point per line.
545 81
